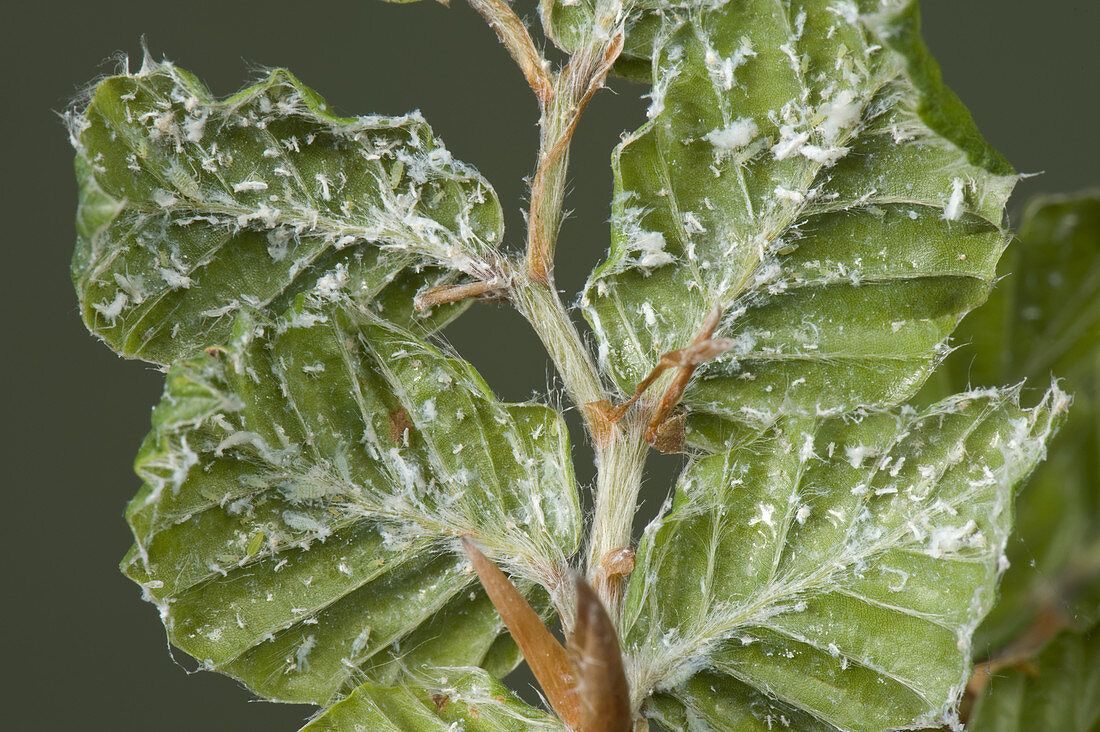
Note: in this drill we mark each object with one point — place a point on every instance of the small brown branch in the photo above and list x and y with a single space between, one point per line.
598 665
619 411
513 34
453 293
547 658
701 349
687 357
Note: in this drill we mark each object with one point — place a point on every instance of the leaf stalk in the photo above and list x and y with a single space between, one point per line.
513 34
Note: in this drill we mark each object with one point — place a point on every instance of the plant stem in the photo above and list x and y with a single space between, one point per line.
513 34
573 89
619 467
620 448
538 302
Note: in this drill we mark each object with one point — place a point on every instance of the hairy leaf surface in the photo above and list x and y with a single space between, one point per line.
1043 318
305 488
805 171
830 577
1060 691
193 209
462 698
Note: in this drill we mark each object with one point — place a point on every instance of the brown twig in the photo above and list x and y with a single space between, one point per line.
453 293
702 349
696 352
687 357
513 34
598 665
547 658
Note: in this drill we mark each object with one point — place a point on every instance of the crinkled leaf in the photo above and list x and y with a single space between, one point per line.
1060 691
305 488
803 169
1043 318
194 209
830 577
461 698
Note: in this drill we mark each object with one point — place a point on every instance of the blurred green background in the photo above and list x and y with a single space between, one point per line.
81 651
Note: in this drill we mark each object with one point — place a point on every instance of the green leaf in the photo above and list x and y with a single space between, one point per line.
830 577
1043 318
193 209
462 698
793 172
305 489
1059 691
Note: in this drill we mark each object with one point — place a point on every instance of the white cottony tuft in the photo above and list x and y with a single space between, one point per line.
734 136
841 114
650 246
954 208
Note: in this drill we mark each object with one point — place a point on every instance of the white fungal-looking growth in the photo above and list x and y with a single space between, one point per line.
330 285
735 135
847 10
791 140
650 246
723 68
945 540
840 115
954 208
857 454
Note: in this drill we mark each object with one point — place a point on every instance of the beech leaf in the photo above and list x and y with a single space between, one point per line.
305 490
830 576
804 170
193 210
